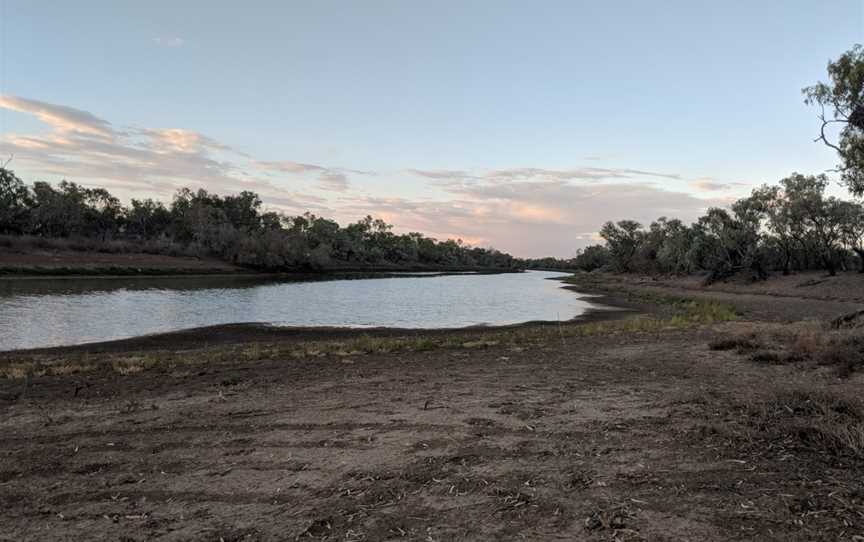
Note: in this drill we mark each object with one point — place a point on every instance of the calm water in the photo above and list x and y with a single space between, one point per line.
42 313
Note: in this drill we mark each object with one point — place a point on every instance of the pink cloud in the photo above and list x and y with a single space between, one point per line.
528 211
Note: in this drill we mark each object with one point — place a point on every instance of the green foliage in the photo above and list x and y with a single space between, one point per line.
843 97
791 225
592 257
622 240
233 228
15 203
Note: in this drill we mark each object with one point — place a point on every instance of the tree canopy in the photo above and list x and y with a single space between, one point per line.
232 227
841 103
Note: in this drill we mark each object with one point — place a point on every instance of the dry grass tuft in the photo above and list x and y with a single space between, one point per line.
818 419
841 349
740 344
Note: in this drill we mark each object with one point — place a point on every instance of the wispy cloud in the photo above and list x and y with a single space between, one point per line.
585 174
441 174
709 184
63 119
532 218
333 180
529 211
287 166
137 161
582 174
169 41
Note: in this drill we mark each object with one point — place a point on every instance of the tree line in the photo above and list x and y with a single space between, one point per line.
790 226
785 227
233 228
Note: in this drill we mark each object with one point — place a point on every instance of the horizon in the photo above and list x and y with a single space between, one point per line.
506 130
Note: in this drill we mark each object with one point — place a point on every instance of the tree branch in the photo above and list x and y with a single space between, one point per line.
822 135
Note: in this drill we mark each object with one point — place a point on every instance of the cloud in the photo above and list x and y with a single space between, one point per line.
335 181
329 179
528 211
588 174
170 41
440 174
584 174
287 166
531 218
180 140
136 161
63 119
709 184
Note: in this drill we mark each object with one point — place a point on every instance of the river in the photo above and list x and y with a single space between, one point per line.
58 312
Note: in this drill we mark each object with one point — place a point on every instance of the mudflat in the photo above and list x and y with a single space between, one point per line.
584 431
70 262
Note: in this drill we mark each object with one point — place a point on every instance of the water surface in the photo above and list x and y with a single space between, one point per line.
55 312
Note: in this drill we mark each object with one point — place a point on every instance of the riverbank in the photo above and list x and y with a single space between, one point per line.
90 264
643 428
63 263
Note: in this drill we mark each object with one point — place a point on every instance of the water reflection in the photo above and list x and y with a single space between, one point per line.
61 312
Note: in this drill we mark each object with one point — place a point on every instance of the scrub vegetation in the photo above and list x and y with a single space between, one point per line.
789 226
707 411
657 424
233 228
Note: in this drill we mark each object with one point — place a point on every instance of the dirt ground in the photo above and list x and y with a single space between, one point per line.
41 262
45 261
808 285
611 437
801 296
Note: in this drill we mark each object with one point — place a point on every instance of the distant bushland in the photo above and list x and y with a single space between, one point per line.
793 225
233 228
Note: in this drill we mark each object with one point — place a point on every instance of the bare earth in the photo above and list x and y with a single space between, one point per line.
609 437
82 262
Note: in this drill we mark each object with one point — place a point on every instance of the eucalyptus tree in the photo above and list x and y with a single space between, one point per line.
852 229
731 242
15 202
592 257
841 103
623 240
785 232
819 216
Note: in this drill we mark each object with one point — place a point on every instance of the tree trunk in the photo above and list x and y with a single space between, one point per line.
860 253
830 265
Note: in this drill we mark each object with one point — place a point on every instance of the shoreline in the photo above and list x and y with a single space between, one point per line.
216 269
573 430
617 303
298 275
240 333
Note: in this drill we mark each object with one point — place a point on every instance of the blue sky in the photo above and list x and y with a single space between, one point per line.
522 125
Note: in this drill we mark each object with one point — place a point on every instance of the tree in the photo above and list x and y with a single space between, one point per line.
232 227
58 212
103 214
623 241
731 241
147 219
15 202
242 210
677 241
592 257
820 216
843 97
785 231
852 229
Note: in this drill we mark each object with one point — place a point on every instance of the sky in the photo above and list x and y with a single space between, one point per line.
518 125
